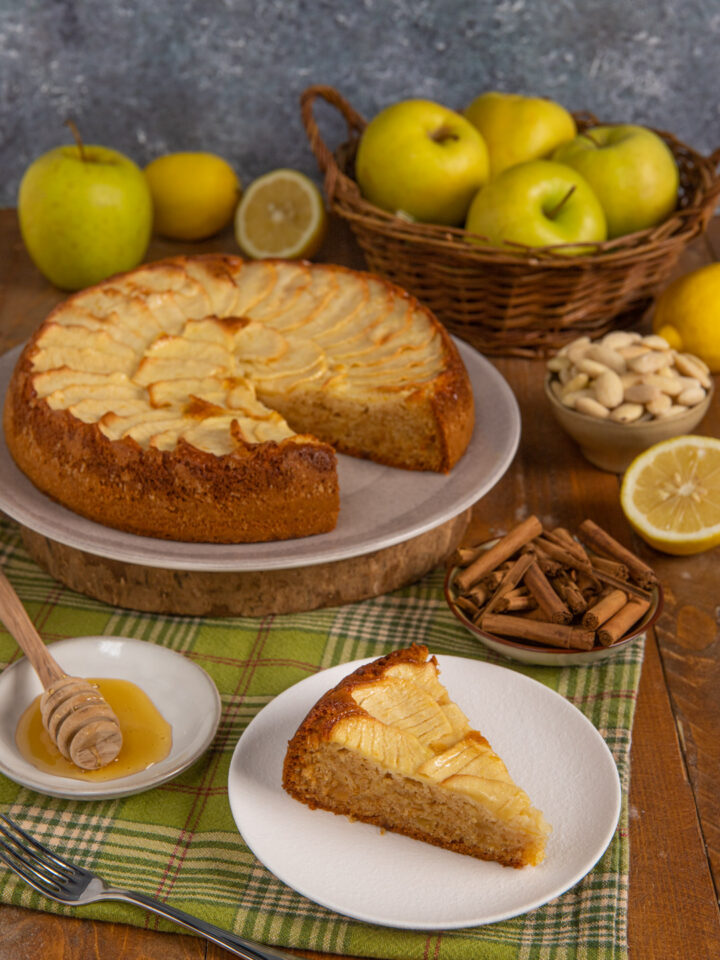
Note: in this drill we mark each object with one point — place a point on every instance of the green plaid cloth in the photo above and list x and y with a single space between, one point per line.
178 842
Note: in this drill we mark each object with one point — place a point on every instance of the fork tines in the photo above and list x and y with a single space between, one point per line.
29 858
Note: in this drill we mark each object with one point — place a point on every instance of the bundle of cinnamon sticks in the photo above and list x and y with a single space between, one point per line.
545 586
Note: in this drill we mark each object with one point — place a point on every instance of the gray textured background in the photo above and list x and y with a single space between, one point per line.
153 76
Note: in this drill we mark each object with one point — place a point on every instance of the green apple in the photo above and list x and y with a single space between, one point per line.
421 159
632 171
536 204
517 128
85 213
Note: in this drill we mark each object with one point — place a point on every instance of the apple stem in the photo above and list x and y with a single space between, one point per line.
551 214
78 139
442 134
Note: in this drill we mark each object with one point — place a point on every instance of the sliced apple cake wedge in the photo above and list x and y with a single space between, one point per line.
389 747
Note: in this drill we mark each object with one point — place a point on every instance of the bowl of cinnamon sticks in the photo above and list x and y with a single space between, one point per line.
543 596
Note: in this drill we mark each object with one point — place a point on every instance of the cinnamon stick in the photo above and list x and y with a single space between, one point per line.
605 608
613 567
568 590
552 634
566 557
624 619
601 542
503 549
513 576
547 599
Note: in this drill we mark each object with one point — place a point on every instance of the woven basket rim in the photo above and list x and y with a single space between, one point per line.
344 197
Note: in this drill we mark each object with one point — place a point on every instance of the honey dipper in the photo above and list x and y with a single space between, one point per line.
77 718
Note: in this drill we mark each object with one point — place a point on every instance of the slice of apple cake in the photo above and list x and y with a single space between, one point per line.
389 747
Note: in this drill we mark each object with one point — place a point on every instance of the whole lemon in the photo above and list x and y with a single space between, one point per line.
687 314
194 194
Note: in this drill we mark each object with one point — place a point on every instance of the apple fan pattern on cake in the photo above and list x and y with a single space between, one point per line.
238 378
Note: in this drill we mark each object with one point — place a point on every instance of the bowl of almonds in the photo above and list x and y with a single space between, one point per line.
618 395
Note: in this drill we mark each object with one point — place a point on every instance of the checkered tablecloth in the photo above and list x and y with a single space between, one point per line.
178 842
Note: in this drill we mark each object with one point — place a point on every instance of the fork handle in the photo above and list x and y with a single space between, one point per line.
229 941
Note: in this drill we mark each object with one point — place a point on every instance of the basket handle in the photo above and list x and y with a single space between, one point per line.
324 156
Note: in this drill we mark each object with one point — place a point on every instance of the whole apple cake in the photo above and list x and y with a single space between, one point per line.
389 747
203 398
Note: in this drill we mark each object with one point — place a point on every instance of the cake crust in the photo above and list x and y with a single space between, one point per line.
279 485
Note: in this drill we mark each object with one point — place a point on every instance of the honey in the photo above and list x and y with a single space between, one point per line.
147 736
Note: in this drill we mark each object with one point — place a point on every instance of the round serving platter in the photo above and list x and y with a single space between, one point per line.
394 525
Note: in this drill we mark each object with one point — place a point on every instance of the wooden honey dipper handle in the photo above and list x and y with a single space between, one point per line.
74 713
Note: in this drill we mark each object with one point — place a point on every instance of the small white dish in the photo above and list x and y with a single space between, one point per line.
183 692
550 748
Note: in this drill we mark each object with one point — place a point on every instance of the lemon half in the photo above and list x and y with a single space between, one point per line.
670 495
282 214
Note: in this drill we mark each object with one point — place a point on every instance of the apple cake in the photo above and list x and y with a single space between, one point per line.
203 398
387 746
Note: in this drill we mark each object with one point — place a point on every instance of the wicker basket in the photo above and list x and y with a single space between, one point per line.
527 302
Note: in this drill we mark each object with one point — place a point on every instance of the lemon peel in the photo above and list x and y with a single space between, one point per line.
281 214
670 495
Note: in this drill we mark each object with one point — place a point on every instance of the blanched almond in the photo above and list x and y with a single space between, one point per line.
659 404
691 396
591 367
608 389
570 399
591 407
655 342
690 366
603 354
632 350
666 384
648 362
579 381
674 411
558 363
617 339
641 393
627 412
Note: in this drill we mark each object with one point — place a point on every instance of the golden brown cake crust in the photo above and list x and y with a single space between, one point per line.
273 490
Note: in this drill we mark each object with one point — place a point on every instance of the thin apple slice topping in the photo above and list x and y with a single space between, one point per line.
395 749
114 427
282 299
403 704
164 393
256 343
503 798
63 377
257 281
471 756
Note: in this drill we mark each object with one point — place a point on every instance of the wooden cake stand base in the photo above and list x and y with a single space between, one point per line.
202 593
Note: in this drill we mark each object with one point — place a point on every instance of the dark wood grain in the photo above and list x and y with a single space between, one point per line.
674 800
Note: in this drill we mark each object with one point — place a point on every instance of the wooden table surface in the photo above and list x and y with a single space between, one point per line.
674 795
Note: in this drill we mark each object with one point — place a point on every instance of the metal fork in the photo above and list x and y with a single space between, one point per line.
61 880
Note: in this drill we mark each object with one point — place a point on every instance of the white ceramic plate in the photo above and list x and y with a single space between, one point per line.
184 694
550 749
379 506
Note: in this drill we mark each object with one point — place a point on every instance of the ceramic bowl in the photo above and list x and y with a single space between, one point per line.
613 446
538 654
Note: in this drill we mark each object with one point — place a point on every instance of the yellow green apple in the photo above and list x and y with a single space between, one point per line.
85 213
537 203
632 171
421 159
517 128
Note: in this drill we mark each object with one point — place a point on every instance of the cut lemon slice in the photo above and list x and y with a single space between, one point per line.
670 494
281 215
